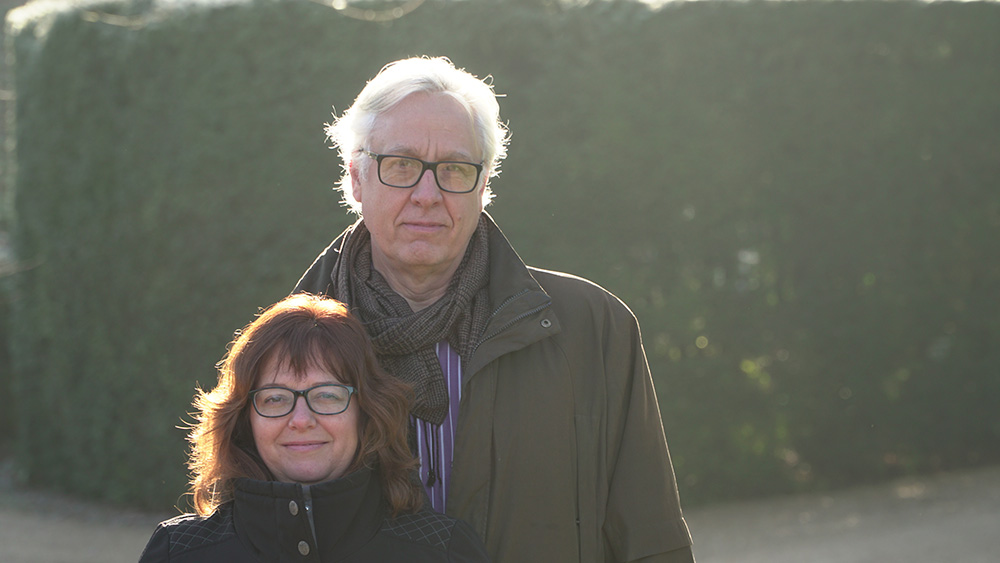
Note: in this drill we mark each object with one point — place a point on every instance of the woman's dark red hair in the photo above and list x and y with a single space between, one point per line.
301 331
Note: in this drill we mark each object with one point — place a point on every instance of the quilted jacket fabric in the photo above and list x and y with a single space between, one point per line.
342 520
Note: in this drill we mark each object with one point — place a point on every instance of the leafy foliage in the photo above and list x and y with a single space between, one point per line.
798 200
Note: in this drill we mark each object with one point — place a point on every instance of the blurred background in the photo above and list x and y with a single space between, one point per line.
798 200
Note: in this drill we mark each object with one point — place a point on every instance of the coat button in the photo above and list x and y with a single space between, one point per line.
293 507
303 548
546 323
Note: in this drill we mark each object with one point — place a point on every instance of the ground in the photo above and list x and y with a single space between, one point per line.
953 517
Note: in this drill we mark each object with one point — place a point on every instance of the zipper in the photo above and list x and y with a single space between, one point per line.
308 505
507 301
511 322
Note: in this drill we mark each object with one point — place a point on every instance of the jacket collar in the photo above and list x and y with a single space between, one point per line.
327 521
522 312
516 299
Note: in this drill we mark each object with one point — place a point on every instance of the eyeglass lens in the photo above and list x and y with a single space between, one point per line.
403 172
322 399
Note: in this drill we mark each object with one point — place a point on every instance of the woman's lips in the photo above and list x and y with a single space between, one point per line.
303 446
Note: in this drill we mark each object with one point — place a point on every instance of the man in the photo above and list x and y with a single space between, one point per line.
535 418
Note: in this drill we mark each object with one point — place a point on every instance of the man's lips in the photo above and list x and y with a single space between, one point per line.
422 226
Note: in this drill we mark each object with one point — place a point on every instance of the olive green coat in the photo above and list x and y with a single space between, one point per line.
560 454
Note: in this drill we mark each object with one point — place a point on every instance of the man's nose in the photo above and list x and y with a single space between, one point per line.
426 190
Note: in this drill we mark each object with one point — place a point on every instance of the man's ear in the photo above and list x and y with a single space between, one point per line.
355 180
481 191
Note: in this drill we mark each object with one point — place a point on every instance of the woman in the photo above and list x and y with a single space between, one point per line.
300 454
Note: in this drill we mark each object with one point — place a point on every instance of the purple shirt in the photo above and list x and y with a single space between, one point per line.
436 444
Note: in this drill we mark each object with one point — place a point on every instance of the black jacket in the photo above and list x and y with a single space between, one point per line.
341 520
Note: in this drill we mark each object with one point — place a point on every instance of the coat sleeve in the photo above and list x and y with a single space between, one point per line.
643 519
465 546
157 548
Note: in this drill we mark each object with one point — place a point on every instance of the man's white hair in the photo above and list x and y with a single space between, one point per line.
397 80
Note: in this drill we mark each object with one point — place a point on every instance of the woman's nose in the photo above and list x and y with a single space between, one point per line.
301 415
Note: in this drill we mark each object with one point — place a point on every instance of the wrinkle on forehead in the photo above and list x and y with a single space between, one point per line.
404 132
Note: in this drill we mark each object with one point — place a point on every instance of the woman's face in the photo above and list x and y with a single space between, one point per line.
302 446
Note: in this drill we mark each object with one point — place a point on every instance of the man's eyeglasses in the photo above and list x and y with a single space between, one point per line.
452 176
325 398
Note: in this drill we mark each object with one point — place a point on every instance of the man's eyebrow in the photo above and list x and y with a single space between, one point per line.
403 150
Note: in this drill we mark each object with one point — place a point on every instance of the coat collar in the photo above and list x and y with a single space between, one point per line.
516 299
327 521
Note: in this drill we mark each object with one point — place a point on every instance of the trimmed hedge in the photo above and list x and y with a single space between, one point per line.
798 200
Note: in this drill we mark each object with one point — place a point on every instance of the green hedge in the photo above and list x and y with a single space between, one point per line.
7 426
798 200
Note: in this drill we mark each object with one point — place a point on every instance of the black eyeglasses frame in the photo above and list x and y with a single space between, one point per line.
304 394
426 165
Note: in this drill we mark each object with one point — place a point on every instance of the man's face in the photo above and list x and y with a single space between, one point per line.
419 231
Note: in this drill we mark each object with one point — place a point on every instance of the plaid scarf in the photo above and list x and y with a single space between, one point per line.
404 340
